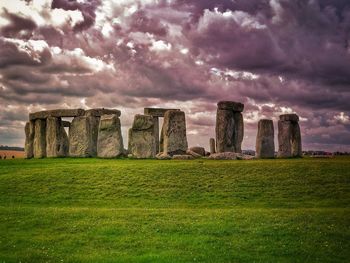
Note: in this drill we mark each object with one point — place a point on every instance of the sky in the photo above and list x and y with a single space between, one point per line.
275 56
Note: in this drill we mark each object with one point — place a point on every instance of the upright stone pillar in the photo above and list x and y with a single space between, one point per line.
156 132
289 137
174 133
265 145
238 131
39 148
229 127
83 136
212 145
157 113
29 141
142 139
110 140
56 138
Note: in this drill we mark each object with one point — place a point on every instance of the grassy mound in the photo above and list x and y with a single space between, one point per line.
94 210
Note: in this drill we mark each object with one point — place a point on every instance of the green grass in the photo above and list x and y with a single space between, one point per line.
94 210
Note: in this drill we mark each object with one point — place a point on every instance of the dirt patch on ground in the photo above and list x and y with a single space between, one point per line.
9 154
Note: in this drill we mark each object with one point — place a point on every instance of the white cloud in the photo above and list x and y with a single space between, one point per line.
160 45
342 117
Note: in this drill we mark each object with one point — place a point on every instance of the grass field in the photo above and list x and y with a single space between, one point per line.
94 210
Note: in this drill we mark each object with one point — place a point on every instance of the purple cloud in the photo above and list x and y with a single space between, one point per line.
275 56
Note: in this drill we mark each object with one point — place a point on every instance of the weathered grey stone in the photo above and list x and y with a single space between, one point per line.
265 145
289 117
56 138
174 132
182 157
56 113
225 127
284 139
212 145
161 141
194 154
102 111
142 139
66 124
156 112
296 141
289 137
163 156
156 132
142 122
238 131
223 156
231 105
109 140
83 136
39 145
29 141
198 150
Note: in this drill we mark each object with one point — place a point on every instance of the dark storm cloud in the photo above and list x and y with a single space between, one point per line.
276 56
87 9
12 54
142 23
16 25
302 39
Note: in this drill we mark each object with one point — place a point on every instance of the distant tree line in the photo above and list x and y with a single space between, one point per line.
10 148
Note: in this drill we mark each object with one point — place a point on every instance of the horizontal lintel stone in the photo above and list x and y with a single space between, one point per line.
231 105
157 112
56 113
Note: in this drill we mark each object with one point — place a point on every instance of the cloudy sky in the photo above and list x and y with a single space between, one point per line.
275 56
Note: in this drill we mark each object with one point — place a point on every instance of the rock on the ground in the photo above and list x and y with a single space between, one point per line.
194 154
163 156
223 156
198 150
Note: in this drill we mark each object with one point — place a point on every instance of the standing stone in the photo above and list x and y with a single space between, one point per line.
296 141
28 146
83 136
289 137
39 145
110 140
156 132
161 141
229 126
239 131
56 138
265 145
284 139
174 133
212 145
225 127
142 139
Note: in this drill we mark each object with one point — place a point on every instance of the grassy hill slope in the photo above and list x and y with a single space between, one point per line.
93 210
